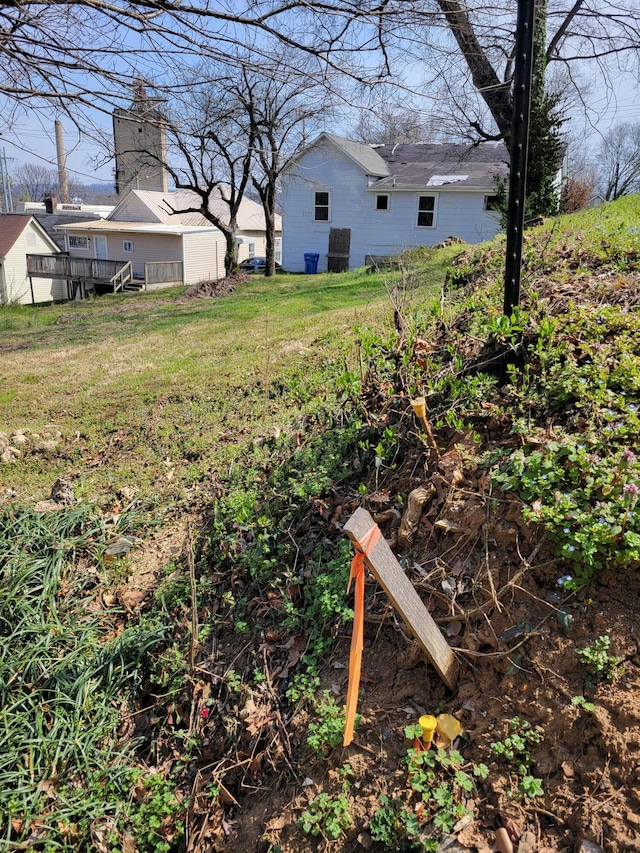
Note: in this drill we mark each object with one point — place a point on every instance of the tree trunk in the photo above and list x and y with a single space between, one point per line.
495 92
231 250
268 205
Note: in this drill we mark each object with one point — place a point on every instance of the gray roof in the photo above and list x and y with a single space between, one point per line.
51 221
364 155
447 164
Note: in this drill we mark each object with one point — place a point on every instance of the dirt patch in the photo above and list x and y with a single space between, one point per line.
211 289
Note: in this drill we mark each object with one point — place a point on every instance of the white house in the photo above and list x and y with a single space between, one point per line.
347 202
144 230
21 235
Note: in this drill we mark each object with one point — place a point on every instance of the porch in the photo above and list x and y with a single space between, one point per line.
82 275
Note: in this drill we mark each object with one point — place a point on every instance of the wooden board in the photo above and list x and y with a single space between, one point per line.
386 569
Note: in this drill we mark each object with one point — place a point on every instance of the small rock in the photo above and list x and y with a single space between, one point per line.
18 440
14 450
51 428
527 843
6 455
568 770
48 446
119 548
62 493
130 599
48 506
109 599
20 431
365 841
589 847
633 818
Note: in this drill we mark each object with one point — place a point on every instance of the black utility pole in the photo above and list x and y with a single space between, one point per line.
519 151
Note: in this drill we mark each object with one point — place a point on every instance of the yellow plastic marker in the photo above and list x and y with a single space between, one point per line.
428 726
448 727
419 406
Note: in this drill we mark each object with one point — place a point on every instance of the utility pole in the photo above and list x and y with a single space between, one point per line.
63 183
6 183
519 152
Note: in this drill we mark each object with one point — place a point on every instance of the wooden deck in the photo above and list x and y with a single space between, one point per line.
89 273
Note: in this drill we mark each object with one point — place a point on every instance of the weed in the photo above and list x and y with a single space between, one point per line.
327 733
154 822
581 702
514 750
598 661
398 828
327 815
436 775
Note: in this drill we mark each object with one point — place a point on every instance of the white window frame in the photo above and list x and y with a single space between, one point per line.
433 212
77 241
382 209
277 249
251 250
125 247
317 206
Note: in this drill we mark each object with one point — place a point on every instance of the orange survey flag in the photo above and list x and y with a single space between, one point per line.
357 638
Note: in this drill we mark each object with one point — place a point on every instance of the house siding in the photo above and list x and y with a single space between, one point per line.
203 257
16 282
146 248
133 209
351 205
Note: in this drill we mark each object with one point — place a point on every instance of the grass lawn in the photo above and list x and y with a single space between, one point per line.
158 395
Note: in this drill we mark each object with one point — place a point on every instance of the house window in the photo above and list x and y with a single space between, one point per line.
278 249
127 246
492 202
426 210
252 250
76 242
382 202
321 210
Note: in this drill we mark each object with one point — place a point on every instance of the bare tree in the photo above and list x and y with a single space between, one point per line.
619 160
282 109
602 35
392 124
33 182
209 155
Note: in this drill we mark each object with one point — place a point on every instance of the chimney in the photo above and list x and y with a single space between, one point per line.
51 204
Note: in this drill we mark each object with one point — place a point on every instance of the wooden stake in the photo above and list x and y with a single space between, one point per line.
385 568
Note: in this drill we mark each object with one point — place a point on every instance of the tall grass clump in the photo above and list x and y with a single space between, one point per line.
67 668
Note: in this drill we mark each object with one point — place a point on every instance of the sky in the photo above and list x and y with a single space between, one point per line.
32 138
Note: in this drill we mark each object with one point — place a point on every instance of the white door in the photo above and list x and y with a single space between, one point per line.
100 246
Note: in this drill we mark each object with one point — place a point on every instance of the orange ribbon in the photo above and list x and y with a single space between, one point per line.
357 639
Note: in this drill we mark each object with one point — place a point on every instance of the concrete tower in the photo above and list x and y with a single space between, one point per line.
140 145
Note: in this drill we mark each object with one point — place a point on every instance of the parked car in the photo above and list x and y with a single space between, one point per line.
256 265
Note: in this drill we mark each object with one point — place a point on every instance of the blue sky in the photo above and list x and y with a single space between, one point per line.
32 137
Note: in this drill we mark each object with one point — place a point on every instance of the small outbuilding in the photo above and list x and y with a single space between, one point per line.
21 236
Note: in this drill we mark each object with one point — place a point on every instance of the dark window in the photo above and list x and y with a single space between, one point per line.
492 202
426 207
322 207
382 202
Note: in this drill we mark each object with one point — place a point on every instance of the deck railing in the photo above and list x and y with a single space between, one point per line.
163 272
86 270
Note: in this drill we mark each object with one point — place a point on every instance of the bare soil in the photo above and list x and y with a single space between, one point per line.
491 584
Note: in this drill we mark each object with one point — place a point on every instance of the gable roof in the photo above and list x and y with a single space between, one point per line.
365 156
11 227
447 164
160 205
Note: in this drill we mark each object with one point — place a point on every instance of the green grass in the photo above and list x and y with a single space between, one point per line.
156 394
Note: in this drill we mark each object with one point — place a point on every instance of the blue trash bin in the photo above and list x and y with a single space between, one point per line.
311 263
